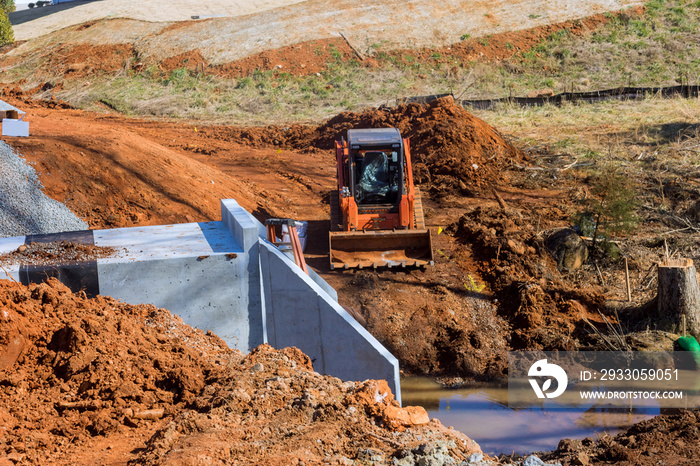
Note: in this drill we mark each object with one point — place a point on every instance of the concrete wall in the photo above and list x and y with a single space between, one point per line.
224 277
198 271
299 313
303 311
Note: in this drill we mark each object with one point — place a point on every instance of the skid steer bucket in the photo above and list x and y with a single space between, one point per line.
372 249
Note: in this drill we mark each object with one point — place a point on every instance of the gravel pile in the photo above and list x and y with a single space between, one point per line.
24 208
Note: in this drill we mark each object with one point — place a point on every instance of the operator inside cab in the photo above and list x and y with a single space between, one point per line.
377 177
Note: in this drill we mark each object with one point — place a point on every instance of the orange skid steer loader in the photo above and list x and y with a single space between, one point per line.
376 213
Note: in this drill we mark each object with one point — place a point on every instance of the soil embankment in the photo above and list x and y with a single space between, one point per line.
86 49
88 381
261 26
92 394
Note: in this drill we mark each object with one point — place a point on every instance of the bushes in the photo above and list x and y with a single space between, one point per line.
612 208
8 6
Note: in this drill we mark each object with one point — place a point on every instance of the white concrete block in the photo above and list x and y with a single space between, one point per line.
17 128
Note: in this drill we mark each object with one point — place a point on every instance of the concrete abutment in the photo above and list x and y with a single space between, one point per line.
222 276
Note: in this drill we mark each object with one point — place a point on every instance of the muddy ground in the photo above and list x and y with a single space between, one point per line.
495 286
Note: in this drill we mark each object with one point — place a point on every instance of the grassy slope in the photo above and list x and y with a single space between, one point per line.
659 48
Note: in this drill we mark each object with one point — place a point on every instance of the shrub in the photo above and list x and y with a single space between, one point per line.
612 209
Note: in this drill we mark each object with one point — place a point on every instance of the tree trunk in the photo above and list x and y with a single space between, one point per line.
678 296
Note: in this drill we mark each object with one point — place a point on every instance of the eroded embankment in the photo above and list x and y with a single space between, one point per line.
118 46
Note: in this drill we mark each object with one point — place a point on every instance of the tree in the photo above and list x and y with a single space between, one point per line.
7 36
612 207
8 6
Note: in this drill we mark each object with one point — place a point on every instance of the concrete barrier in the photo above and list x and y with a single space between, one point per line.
225 277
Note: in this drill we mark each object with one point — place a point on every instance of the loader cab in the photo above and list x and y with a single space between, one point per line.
376 168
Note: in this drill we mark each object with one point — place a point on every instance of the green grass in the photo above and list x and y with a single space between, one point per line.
256 99
661 47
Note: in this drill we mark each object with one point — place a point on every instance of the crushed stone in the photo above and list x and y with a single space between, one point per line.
24 208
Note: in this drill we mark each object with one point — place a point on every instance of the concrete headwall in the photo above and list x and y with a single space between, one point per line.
299 313
303 311
224 277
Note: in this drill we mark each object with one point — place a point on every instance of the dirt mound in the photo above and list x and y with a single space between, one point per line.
666 439
294 415
90 380
91 367
452 150
55 253
546 309
133 179
460 333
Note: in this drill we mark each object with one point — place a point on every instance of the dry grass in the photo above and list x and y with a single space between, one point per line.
626 129
654 143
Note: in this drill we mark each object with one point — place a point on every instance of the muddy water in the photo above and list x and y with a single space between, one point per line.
483 414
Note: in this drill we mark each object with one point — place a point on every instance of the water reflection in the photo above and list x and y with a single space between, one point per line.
483 414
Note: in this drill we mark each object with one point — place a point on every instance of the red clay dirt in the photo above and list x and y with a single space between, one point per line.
97 381
74 61
55 253
506 45
494 286
116 172
671 439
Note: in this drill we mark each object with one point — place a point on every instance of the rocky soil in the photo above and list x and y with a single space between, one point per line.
668 439
494 271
